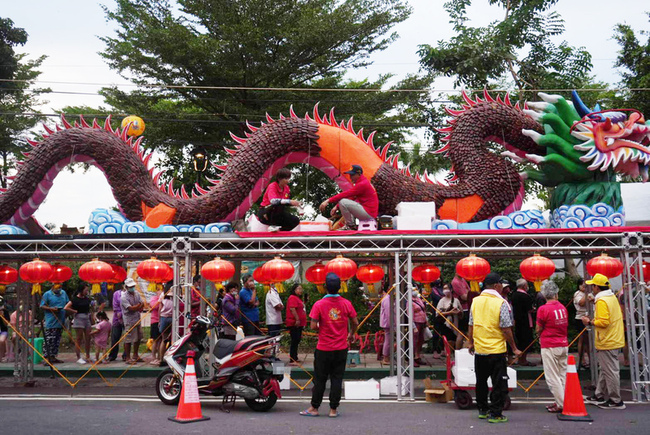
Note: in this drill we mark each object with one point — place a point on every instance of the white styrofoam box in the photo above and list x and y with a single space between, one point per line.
388 386
416 222
466 377
362 390
286 381
416 209
255 226
314 226
240 334
463 358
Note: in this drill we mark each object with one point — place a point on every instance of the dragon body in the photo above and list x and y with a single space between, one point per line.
483 184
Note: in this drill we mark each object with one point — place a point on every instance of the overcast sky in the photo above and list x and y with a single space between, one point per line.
67 32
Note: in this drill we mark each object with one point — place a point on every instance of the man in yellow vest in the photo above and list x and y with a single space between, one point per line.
490 326
610 338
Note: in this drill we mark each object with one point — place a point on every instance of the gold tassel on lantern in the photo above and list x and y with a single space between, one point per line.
152 287
427 290
96 288
3 288
475 287
279 287
344 286
321 289
36 289
537 285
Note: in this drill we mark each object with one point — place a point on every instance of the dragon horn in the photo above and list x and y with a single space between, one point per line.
579 105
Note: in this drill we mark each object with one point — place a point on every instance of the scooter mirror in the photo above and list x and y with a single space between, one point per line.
209 312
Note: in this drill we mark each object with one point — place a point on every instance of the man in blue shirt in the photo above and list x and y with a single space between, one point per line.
248 305
52 304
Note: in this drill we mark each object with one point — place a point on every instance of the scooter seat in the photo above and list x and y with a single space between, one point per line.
224 348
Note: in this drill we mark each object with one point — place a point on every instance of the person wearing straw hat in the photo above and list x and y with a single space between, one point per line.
490 326
609 339
132 305
552 328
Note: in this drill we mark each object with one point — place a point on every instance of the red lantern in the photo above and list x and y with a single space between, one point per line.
277 271
370 274
217 271
258 275
474 269
645 269
170 275
426 274
35 272
344 268
119 275
155 271
605 265
316 275
8 275
95 272
537 269
60 273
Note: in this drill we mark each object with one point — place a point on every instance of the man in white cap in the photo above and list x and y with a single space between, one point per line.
609 339
132 305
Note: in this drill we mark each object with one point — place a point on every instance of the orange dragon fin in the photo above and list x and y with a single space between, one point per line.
460 209
162 214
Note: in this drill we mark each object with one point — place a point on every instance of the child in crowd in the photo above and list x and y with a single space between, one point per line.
100 333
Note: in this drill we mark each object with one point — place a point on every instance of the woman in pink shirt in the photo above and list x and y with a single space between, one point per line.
273 209
420 320
552 326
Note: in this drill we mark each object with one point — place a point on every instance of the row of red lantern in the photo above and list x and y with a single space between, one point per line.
94 272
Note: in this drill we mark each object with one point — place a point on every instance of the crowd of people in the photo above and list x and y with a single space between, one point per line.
497 325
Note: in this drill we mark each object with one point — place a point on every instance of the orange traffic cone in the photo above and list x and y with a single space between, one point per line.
189 408
574 405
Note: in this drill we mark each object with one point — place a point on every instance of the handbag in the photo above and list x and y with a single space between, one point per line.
428 335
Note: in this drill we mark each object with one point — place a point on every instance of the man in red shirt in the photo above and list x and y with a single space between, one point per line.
330 317
360 202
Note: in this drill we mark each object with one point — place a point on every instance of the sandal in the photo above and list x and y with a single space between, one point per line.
334 415
553 408
306 413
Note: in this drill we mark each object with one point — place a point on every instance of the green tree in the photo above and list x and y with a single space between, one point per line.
205 67
18 96
634 59
518 47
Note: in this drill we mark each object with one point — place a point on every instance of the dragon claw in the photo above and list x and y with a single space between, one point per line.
533 114
536 137
549 98
535 158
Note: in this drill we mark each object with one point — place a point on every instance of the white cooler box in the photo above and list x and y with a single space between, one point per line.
308 226
388 386
465 376
412 222
361 390
416 209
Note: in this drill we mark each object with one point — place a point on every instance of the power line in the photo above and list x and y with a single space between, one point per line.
288 89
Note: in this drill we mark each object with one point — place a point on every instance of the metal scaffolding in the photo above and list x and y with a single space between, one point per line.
402 249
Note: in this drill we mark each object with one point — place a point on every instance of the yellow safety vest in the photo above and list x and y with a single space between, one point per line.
612 336
488 336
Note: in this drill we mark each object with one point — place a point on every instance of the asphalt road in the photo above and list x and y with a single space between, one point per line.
136 411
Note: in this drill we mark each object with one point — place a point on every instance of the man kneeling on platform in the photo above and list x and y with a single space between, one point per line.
360 202
273 209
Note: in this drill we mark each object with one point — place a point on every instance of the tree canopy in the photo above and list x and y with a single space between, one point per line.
205 67
18 96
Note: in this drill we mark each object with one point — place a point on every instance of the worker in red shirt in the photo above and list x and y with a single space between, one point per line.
360 202
336 322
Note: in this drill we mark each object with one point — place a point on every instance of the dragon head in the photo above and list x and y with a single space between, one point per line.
583 145
619 139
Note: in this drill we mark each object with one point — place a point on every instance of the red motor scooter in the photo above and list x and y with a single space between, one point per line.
244 368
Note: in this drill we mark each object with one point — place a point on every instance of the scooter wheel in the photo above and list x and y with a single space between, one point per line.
262 404
168 387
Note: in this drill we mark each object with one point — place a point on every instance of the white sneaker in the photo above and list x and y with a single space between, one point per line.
81 361
274 228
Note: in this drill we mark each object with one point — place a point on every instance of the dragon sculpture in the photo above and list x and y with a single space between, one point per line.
561 138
